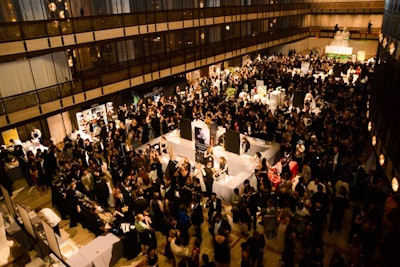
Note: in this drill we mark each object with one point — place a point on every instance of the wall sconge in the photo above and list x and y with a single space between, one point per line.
202 36
395 184
381 159
227 27
374 140
369 126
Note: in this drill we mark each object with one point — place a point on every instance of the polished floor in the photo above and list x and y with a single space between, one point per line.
31 198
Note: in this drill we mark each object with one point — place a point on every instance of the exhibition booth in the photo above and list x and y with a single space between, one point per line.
241 165
104 250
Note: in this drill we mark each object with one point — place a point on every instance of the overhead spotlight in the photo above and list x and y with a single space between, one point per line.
369 126
381 159
374 140
395 184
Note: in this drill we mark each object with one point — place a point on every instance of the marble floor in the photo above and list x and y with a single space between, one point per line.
31 198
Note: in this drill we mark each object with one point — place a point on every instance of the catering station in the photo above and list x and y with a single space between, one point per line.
27 230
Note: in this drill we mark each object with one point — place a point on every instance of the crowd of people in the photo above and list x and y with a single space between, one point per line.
327 139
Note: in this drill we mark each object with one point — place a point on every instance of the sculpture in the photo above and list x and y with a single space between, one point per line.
341 38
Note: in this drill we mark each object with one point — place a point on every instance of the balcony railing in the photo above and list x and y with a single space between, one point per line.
14 31
350 7
101 76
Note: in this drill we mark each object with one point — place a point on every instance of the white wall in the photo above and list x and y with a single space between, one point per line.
59 126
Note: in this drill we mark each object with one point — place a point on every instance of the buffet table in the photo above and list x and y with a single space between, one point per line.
103 251
224 187
78 260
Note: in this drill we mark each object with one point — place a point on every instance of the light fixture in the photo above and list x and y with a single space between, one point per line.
374 140
227 27
369 126
381 159
395 184
202 36
367 114
392 47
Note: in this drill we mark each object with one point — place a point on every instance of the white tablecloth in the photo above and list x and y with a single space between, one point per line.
78 260
103 251
224 187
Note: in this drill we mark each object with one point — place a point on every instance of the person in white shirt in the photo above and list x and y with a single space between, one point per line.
50 217
180 252
312 186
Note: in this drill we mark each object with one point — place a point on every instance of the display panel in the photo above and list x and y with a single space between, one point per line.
26 220
232 141
202 141
8 201
186 129
52 239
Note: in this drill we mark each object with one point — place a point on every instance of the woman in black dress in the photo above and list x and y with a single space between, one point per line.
244 216
222 251
157 211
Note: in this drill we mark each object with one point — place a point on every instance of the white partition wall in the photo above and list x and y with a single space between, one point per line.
52 239
26 220
8 201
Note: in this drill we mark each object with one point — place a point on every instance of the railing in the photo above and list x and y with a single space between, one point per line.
367 7
101 76
14 31
355 32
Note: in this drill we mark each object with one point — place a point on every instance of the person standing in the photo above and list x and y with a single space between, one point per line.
50 217
208 176
257 244
208 156
197 217
72 204
214 204
222 250
58 195
180 252
339 205
101 192
253 201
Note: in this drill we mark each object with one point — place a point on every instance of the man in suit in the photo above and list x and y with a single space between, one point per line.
208 176
101 191
214 204
72 204
79 141
140 204
301 187
217 223
197 216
